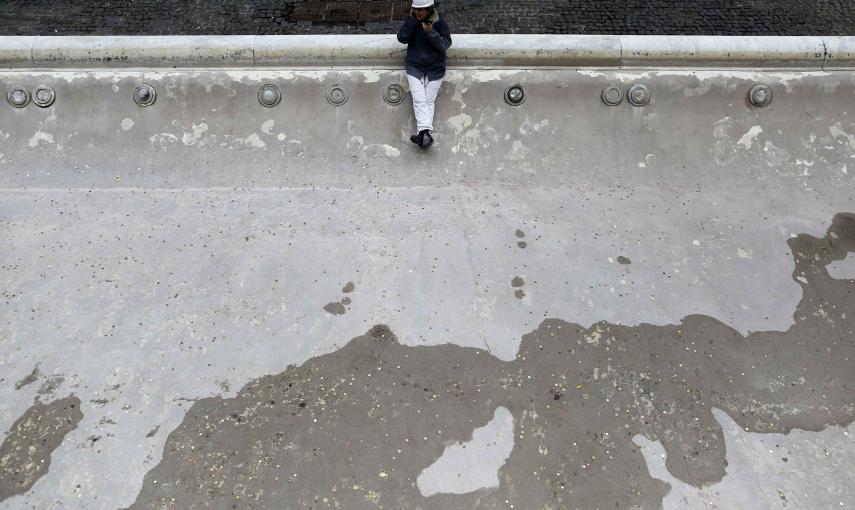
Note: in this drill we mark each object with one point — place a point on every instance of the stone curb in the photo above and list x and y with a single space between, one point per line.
487 50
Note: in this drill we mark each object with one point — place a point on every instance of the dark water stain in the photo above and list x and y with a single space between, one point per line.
29 379
522 244
345 300
519 233
27 449
319 434
519 293
153 431
348 288
517 282
623 260
335 308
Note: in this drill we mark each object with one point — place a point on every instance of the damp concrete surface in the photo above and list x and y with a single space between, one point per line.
577 400
563 305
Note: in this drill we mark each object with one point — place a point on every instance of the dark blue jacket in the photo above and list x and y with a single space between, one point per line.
425 50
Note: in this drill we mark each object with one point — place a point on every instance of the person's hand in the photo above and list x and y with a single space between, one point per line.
427 27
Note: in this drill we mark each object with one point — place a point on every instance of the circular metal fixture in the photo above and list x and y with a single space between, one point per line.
269 95
394 94
638 95
18 96
612 95
144 94
515 94
337 95
43 96
760 95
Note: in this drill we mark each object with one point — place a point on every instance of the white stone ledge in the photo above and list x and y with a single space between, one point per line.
479 50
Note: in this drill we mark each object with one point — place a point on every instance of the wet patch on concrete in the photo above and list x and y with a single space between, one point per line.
517 283
338 307
356 427
26 452
767 468
335 308
29 379
623 260
321 434
48 388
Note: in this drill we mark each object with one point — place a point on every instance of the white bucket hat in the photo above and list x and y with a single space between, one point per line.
421 4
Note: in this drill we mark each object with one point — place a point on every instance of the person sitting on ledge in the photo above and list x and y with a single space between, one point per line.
427 37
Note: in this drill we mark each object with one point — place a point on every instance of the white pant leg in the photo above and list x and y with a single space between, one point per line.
417 89
424 94
431 91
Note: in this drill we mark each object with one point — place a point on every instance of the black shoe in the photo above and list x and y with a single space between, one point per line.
417 139
427 140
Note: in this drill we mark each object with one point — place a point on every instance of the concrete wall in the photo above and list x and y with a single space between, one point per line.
492 50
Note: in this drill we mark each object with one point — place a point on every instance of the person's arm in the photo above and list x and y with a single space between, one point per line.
440 37
405 33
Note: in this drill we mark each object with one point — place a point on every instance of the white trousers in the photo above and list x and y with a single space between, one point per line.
424 100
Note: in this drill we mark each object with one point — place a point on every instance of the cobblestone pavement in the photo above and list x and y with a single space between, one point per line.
715 17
